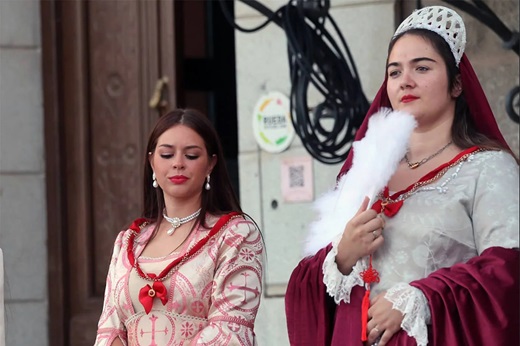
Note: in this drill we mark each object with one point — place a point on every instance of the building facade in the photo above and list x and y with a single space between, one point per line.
50 297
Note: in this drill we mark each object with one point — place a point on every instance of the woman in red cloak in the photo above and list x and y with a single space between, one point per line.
442 239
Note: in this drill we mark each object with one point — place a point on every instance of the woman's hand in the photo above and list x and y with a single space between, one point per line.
383 321
361 237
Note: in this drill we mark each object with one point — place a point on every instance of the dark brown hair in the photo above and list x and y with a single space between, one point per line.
463 130
221 198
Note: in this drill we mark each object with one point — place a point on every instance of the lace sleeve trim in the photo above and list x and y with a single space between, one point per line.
338 285
412 303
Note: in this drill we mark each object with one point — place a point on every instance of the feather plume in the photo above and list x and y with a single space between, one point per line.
376 158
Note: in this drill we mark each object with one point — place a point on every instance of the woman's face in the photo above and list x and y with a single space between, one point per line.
418 81
181 163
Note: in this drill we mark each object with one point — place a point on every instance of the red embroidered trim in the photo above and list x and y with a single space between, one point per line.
433 173
137 228
390 205
148 293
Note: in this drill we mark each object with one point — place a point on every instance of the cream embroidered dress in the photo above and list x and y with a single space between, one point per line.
472 207
213 297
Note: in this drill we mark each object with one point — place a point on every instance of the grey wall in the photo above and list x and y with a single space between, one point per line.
22 180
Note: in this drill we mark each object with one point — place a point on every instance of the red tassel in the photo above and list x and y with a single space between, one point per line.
369 276
365 303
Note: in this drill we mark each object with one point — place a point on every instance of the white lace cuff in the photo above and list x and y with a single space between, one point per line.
412 303
338 285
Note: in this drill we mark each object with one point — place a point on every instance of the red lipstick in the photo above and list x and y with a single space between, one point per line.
408 98
178 179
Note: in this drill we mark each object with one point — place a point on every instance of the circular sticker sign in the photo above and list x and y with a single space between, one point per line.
272 124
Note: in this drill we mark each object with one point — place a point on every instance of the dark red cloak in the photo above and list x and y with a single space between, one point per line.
473 303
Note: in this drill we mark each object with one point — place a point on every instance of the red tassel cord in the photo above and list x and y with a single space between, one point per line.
369 276
365 304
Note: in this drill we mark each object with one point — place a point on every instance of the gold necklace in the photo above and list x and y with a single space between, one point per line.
414 165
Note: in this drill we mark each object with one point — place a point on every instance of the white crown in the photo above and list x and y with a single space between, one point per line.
441 20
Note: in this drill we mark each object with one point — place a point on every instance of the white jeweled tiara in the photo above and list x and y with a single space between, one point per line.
441 20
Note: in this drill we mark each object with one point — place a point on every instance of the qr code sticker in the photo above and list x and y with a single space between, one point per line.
296 176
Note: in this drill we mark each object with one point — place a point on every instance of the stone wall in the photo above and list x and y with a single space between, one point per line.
23 223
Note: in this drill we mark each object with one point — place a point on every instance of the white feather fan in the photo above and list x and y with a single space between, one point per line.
376 158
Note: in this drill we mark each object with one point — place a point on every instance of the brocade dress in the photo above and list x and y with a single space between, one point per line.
213 297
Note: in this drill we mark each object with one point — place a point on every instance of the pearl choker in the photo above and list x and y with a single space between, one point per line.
177 222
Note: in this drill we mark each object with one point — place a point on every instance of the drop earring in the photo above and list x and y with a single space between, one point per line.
207 186
154 179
